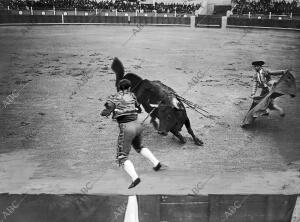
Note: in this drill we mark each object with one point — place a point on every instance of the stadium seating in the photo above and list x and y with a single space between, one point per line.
265 7
122 6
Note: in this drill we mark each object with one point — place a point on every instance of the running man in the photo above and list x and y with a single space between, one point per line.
125 107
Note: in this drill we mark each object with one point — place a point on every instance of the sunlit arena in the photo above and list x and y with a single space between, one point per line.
58 153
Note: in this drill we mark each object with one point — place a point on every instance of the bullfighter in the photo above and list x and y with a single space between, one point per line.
262 79
125 107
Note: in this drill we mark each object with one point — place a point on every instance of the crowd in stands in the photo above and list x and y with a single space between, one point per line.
120 5
265 7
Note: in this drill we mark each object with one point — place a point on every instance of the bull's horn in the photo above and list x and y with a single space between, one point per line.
154 105
175 102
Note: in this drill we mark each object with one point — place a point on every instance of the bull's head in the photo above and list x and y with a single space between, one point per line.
169 114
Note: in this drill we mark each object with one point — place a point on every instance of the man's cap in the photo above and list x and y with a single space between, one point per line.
124 84
258 63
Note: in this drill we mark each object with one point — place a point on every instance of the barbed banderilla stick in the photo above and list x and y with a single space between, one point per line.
192 105
151 112
197 110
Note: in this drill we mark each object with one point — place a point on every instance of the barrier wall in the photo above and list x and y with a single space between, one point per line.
29 19
294 24
200 21
256 208
161 20
94 19
184 208
208 20
151 208
62 208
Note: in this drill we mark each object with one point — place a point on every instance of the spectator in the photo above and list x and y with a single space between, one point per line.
120 5
264 7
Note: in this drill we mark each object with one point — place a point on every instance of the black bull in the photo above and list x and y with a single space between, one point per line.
153 94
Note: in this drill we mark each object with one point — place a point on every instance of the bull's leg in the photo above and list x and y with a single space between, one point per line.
190 131
179 136
154 123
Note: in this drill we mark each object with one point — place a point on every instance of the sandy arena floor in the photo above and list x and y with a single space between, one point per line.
53 139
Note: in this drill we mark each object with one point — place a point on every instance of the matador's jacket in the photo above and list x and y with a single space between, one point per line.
124 105
261 79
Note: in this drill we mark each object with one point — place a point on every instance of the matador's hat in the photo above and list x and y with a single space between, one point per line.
125 84
258 63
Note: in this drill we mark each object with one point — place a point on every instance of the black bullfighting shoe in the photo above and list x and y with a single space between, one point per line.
266 114
157 167
282 114
134 183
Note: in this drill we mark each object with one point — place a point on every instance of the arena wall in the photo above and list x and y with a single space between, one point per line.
151 208
210 21
255 22
95 19
200 21
29 19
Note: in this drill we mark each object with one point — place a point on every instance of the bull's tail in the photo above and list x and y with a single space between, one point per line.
118 68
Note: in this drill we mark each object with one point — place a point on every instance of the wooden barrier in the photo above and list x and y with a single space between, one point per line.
208 20
258 208
151 208
178 208
29 19
200 21
62 208
93 19
271 23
